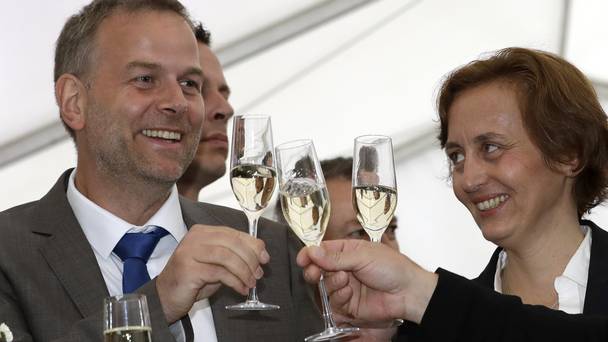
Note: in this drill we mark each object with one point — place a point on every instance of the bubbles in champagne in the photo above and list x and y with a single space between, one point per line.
298 187
306 209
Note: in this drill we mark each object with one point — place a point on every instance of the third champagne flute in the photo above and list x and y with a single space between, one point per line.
305 204
252 176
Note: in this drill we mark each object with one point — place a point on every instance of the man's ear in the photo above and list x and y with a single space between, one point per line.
71 97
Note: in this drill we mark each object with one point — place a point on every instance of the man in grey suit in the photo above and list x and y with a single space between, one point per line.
128 84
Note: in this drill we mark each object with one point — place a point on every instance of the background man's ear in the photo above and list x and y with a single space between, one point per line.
70 94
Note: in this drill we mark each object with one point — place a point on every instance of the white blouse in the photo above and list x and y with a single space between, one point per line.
571 286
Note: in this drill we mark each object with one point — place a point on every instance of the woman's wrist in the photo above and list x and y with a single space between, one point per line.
419 288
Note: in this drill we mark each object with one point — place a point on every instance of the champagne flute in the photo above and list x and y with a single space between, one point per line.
374 186
306 208
126 319
252 177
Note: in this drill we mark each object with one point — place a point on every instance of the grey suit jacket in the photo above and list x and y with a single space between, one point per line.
51 288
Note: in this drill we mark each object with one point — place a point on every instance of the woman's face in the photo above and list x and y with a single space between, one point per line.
497 172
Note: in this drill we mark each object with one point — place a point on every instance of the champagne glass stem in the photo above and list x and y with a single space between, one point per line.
253 225
378 239
253 231
328 317
252 302
253 294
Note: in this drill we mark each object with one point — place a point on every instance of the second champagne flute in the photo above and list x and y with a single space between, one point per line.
252 177
306 208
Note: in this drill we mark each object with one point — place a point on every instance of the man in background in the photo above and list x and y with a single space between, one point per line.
209 163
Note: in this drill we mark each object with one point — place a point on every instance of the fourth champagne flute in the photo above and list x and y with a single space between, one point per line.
252 176
306 208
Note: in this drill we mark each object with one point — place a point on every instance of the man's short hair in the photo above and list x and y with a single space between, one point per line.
202 35
339 167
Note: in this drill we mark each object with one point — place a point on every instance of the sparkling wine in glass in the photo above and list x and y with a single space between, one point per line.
374 185
126 319
252 177
305 202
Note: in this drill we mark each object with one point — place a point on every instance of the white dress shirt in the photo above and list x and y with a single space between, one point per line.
571 286
103 231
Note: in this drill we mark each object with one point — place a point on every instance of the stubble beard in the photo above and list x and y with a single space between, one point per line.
127 168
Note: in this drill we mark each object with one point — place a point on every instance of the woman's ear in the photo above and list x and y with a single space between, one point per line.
570 168
70 94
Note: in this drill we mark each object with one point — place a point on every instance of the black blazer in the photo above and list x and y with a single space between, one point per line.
463 310
596 297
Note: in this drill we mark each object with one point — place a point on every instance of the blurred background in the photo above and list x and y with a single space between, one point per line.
328 70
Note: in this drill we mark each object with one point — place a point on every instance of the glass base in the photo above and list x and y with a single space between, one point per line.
332 333
252 305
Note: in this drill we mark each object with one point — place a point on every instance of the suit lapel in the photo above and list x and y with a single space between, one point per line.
486 278
68 252
596 297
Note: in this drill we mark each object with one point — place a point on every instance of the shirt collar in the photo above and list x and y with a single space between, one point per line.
576 270
104 229
500 264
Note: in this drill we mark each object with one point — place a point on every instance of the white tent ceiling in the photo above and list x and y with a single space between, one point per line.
372 70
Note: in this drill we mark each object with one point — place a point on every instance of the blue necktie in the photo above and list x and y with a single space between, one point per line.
134 249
